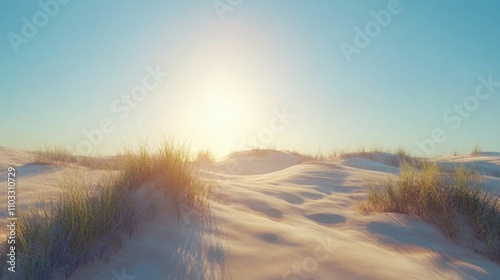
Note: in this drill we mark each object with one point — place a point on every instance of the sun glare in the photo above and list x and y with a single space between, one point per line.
225 96
220 114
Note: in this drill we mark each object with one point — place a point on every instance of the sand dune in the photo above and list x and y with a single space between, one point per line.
279 217
255 162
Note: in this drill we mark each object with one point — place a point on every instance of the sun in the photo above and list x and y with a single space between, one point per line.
223 98
217 120
220 114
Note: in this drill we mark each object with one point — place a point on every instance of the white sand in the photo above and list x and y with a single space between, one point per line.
282 219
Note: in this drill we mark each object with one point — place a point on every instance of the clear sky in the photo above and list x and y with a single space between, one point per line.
230 74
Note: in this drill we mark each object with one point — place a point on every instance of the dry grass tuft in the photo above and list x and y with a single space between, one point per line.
205 156
446 199
477 150
48 155
88 220
63 156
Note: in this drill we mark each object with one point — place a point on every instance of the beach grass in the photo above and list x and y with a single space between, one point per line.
448 199
88 219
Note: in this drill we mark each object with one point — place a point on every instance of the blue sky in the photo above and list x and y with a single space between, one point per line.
95 76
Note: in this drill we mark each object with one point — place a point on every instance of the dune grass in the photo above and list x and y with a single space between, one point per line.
48 154
319 156
89 219
358 152
60 155
401 155
169 167
447 199
82 225
204 156
477 150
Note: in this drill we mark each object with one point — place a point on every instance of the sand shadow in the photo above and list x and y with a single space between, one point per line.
29 170
264 208
33 169
326 218
200 254
418 235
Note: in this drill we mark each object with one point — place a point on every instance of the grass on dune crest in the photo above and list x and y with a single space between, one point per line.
476 150
53 154
393 157
358 152
449 200
57 155
170 168
89 219
204 156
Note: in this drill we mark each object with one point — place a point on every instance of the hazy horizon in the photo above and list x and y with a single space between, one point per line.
229 75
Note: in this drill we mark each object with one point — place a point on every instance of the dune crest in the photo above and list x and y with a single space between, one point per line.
255 162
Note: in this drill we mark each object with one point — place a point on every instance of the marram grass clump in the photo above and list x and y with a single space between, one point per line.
60 236
48 155
446 199
170 169
88 220
62 156
204 156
